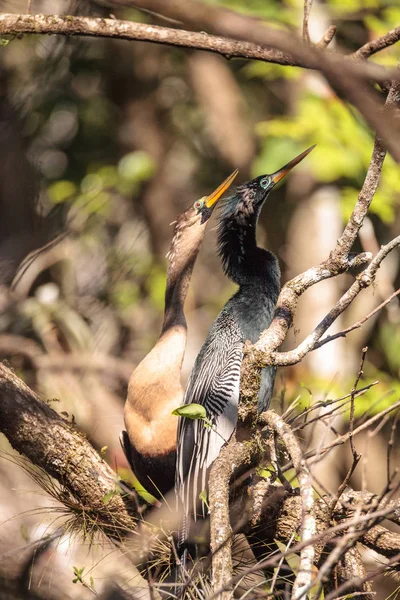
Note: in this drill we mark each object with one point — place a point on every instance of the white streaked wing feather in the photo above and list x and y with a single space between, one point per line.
214 383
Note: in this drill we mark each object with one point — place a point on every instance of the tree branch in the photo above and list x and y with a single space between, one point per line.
390 38
308 527
129 30
235 454
39 433
365 279
306 17
14 24
358 324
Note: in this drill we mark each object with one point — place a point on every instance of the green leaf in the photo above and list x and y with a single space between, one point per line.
292 559
203 498
78 574
191 411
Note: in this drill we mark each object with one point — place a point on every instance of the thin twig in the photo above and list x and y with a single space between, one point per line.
345 437
354 452
327 37
391 444
306 17
358 324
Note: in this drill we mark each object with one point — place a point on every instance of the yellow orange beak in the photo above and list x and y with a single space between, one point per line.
278 175
216 195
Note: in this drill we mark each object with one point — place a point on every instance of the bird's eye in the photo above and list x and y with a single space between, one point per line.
199 204
265 182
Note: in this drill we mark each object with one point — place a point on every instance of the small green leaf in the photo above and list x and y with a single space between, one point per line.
191 411
103 450
203 497
292 559
78 574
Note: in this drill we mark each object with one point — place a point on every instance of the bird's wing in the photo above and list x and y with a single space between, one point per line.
214 383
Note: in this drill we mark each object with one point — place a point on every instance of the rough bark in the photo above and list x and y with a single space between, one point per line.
36 431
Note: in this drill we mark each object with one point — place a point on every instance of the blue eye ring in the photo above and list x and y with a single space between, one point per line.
265 182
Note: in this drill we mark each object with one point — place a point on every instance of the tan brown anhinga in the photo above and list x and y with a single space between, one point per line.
155 388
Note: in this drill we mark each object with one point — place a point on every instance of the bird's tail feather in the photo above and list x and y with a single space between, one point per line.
182 552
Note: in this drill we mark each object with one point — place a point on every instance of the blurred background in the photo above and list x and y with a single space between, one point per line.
104 142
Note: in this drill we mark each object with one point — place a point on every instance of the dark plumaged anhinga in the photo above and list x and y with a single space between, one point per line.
215 379
155 388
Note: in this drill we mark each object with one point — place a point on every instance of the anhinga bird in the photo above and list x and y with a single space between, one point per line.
215 379
155 388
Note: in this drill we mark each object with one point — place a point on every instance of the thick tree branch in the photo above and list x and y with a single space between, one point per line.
235 454
129 30
14 24
278 514
39 433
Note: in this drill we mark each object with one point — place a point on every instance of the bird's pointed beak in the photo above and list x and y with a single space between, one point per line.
278 175
216 195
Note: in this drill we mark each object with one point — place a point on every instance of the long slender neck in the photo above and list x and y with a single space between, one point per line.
243 261
175 296
182 256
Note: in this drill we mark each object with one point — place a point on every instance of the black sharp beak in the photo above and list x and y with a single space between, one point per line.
278 175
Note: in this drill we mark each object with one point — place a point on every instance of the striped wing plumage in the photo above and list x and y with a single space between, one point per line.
214 383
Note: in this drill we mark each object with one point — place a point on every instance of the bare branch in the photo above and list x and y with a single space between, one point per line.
379 44
306 17
327 37
352 499
345 437
347 585
358 324
39 433
233 455
351 567
129 30
263 351
308 527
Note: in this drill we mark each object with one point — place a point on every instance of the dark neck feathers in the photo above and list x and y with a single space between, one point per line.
243 261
